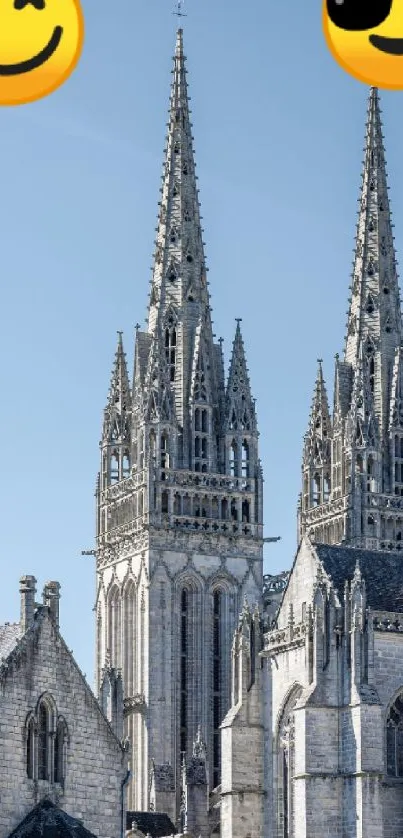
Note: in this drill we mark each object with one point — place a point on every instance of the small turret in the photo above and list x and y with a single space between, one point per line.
316 465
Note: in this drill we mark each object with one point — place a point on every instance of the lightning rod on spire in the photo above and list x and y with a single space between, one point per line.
179 9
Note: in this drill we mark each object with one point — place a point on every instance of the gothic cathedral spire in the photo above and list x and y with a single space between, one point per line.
365 449
180 530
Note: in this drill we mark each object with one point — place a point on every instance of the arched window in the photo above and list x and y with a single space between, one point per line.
115 627
170 348
316 497
43 741
164 503
394 738
129 639
245 459
30 731
286 767
126 465
164 451
217 684
184 651
326 488
114 467
59 764
233 459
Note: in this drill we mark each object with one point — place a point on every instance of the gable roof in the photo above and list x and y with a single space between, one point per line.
48 821
10 634
156 824
382 571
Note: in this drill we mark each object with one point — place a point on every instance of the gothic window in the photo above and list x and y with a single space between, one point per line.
233 459
394 739
201 440
286 768
141 449
114 467
200 389
197 419
177 504
184 651
224 509
326 488
234 510
316 496
126 464
245 459
30 732
114 642
164 451
217 684
129 603
164 503
59 760
170 348
44 740
245 512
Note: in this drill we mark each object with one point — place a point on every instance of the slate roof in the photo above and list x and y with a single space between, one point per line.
10 634
156 824
47 821
382 571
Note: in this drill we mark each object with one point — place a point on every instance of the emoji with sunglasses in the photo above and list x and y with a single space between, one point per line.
40 45
366 39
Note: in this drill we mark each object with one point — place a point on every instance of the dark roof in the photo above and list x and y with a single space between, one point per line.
382 571
156 824
47 821
10 634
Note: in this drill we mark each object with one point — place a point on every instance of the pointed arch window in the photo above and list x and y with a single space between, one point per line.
233 458
316 487
217 683
114 641
184 652
59 763
30 748
200 388
164 451
43 741
394 738
245 459
286 767
114 467
126 464
170 347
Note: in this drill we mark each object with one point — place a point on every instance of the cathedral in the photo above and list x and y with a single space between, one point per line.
246 706
179 505
255 707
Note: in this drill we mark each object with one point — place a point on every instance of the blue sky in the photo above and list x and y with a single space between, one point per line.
279 132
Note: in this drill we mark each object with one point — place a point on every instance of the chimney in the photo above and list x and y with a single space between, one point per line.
27 592
51 597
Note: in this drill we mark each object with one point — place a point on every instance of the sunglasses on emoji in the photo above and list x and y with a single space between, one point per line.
358 15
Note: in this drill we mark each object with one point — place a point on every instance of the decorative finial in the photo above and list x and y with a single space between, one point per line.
137 326
320 361
178 11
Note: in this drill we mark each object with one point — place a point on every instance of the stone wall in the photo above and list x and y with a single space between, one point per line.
95 760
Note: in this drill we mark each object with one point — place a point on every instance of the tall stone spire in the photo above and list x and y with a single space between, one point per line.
316 463
179 272
116 434
240 408
374 319
366 460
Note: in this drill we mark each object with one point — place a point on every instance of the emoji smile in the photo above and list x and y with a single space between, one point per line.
36 60
394 46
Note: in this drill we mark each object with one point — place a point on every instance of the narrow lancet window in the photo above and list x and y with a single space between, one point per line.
217 685
184 644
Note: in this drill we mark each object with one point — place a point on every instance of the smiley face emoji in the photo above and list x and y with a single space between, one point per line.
40 45
366 39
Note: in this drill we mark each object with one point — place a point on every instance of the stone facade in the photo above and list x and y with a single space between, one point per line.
55 741
330 693
179 501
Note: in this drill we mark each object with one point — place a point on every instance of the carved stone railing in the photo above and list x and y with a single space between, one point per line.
212 525
278 639
210 483
325 511
388 621
124 487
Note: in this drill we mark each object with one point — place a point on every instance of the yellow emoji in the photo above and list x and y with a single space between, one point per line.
40 45
366 39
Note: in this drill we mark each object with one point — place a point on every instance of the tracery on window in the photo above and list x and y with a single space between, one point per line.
394 738
286 767
46 742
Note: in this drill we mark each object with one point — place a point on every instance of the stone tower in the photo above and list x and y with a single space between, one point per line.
352 472
179 499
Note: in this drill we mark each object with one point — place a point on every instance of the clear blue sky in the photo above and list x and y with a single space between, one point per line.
279 132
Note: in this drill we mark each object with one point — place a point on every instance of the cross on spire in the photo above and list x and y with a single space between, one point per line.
178 10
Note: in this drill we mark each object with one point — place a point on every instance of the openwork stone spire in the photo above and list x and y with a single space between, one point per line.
118 405
240 409
317 440
179 273
366 446
374 317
